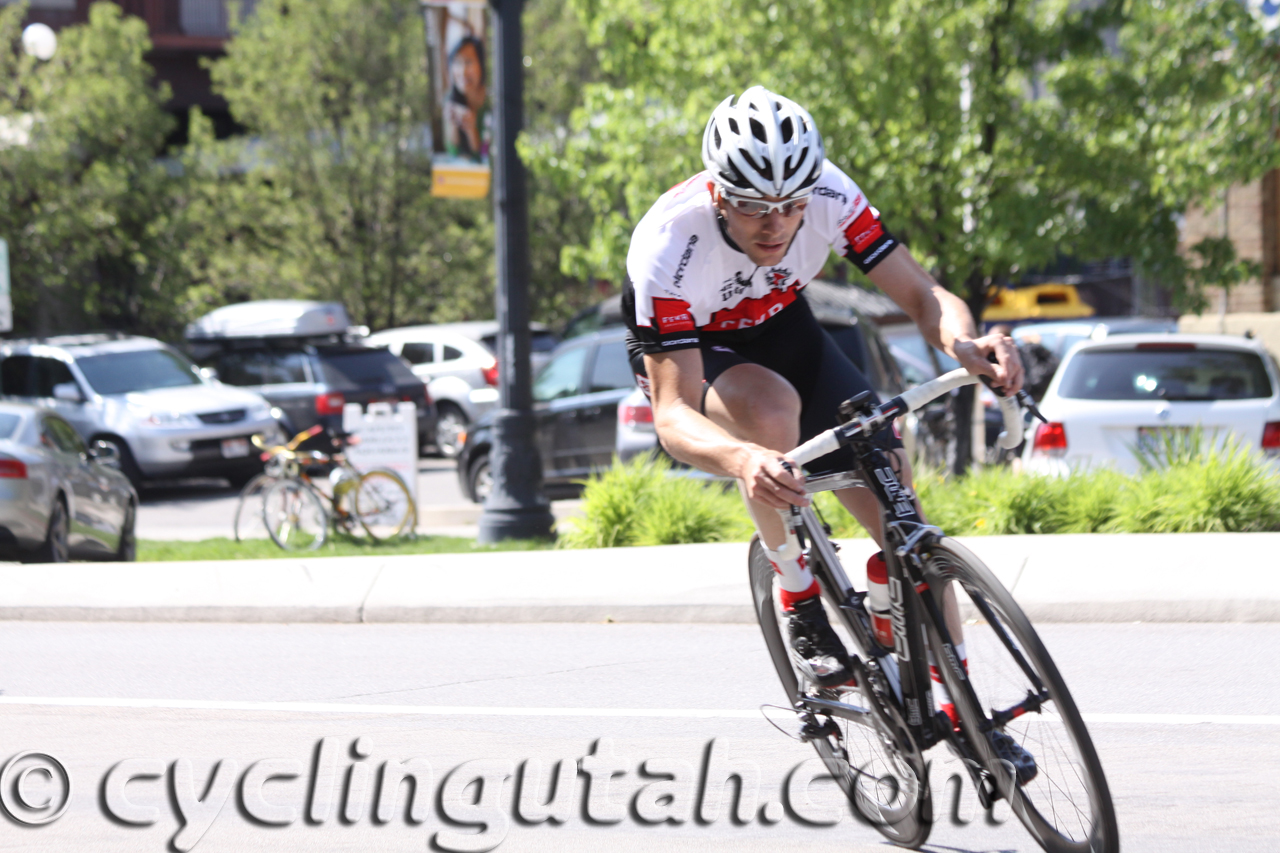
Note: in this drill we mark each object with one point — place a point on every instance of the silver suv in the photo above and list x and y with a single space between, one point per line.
163 415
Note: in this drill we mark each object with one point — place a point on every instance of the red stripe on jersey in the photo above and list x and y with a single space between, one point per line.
672 315
864 231
753 312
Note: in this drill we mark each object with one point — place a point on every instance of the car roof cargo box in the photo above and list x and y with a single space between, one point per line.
272 318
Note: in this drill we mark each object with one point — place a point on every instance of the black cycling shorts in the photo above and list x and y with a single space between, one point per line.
797 348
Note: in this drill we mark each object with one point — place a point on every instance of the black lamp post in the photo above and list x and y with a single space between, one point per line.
516 508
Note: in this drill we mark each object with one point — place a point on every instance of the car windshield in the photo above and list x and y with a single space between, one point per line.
9 424
139 370
362 368
1165 374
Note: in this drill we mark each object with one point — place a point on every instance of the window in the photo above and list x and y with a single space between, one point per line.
451 354
1166 374
62 435
262 367
9 424
139 370
415 353
562 377
612 368
15 376
49 372
362 368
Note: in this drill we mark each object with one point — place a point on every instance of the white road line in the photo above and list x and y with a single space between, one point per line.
490 711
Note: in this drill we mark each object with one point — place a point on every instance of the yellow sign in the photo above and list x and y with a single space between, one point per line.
459 181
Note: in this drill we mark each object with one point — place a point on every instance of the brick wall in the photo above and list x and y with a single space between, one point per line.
1251 218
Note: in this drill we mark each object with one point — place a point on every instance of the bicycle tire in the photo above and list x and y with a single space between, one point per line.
248 522
1067 806
888 787
295 516
383 504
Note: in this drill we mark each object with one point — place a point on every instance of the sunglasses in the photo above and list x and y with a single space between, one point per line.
755 208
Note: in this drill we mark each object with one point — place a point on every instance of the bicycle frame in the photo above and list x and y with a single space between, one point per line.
913 612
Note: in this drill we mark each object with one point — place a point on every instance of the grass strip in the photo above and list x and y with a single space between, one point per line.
151 550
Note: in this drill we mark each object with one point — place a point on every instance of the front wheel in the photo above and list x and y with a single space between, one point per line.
1066 805
249 522
383 505
294 516
878 767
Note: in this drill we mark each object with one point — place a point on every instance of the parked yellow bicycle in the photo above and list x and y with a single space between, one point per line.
301 495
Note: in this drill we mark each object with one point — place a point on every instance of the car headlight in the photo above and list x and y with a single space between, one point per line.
260 412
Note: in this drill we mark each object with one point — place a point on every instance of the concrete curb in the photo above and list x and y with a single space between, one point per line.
1070 578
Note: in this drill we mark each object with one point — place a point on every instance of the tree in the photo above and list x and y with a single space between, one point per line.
995 135
83 196
335 97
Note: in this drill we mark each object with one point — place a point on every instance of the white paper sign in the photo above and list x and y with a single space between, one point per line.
388 439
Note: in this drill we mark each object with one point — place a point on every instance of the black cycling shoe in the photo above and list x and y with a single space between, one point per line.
815 648
1008 749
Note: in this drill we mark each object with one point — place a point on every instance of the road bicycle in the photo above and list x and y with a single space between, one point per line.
872 733
296 513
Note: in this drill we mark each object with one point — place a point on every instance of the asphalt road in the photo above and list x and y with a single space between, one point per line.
286 703
202 509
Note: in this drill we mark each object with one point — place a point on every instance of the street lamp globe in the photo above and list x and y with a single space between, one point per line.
40 41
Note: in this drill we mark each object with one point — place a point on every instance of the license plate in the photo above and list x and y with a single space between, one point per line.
235 448
1154 438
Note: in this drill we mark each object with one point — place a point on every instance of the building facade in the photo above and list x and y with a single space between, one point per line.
182 33
1250 215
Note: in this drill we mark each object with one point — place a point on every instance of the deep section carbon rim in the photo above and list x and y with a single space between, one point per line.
886 783
1066 806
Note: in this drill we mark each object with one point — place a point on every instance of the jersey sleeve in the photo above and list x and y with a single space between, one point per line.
660 315
853 225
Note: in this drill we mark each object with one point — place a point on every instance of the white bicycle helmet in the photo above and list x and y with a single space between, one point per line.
763 145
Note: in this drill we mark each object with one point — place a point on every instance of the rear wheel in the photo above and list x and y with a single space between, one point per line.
294 516
56 547
383 505
451 425
877 766
480 479
249 522
1066 805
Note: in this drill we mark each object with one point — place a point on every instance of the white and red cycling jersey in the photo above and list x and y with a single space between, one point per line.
689 285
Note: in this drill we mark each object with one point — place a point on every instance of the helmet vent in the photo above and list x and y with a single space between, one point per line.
767 170
792 169
786 129
733 125
757 130
717 136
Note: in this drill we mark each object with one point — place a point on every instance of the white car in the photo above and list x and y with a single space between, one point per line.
1113 397
460 373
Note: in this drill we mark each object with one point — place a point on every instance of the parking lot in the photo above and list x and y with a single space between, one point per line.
205 509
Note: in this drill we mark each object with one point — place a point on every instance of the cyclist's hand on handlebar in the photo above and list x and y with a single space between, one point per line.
768 480
976 357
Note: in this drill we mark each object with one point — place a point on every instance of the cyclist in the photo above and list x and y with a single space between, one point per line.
723 341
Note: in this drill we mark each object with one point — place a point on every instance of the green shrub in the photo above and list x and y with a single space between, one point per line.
640 504
1186 485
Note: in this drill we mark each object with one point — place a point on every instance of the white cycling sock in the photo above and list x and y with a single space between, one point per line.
794 578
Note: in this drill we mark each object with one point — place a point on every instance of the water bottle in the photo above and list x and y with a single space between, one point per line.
878 599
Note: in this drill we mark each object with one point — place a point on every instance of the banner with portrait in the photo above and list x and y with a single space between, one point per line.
462 120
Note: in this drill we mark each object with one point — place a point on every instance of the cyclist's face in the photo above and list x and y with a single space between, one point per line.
764 239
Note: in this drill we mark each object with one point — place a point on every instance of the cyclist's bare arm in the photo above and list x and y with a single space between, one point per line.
945 320
675 380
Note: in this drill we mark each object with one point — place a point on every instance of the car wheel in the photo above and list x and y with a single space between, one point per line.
56 547
127 552
128 465
451 424
480 479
